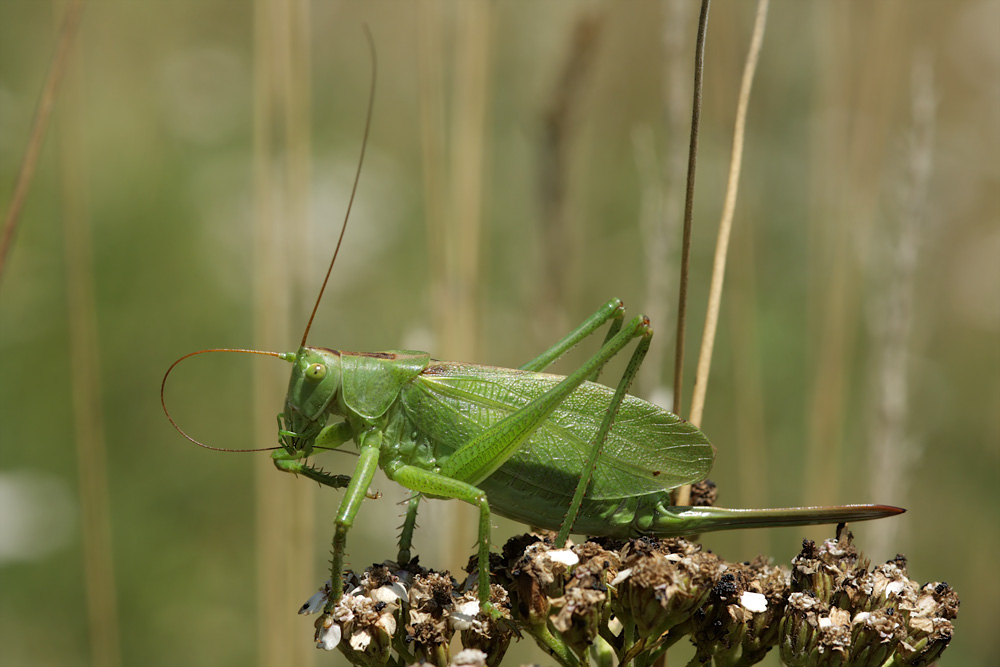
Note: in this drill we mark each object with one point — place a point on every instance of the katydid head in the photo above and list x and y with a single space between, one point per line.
312 390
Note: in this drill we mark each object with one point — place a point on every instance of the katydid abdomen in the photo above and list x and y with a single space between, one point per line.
648 452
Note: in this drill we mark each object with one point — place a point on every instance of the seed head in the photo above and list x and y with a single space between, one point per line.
662 583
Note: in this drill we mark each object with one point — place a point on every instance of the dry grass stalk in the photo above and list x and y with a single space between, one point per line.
85 362
893 266
284 507
725 226
39 125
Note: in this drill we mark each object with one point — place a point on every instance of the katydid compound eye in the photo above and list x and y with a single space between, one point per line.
316 372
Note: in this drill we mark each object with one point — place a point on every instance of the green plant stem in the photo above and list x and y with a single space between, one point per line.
555 646
603 652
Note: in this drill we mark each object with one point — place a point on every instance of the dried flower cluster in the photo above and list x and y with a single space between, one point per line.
395 615
628 603
842 612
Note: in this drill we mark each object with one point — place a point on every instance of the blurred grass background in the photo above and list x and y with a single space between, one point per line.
517 150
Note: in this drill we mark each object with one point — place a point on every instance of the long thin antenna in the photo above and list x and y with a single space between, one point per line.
163 400
354 189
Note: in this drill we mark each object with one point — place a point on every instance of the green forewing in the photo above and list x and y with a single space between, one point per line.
647 451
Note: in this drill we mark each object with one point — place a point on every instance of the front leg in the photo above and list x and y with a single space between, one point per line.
406 530
286 462
369 442
294 462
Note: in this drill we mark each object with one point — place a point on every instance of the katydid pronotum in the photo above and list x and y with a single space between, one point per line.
554 452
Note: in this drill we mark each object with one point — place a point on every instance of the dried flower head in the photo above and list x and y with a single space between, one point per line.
635 599
662 583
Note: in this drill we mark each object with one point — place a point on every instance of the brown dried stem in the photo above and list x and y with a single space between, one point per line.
726 223
40 123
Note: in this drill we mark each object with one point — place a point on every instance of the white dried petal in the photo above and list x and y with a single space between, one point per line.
803 601
926 606
894 588
361 639
825 622
861 617
564 556
316 602
387 622
329 636
389 594
470 657
840 617
755 602
622 576
464 615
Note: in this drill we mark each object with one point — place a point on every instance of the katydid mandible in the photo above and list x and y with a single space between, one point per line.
559 453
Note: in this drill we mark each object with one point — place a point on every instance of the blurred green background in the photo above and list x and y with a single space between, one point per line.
522 158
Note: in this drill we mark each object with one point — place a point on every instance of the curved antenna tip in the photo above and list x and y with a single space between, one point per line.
163 399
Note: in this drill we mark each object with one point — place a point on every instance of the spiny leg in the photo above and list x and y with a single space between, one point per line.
406 531
369 443
602 433
283 462
437 485
612 310
483 454
294 462
328 437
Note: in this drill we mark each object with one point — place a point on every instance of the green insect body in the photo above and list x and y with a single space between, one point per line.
515 442
429 411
